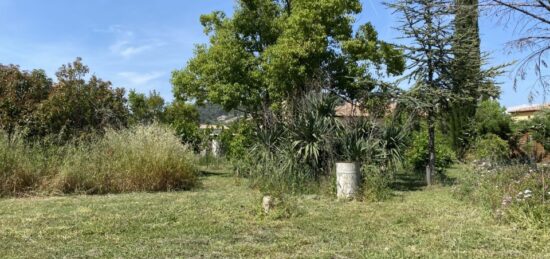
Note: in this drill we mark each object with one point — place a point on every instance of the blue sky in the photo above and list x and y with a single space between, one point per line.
137 43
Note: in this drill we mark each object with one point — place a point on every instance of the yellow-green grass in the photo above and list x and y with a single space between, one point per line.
223 219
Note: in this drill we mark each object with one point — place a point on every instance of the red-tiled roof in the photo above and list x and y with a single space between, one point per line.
528 108
349 110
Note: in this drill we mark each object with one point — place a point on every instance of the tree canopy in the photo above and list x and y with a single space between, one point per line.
271 52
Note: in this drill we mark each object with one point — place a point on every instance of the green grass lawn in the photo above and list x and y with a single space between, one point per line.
223 219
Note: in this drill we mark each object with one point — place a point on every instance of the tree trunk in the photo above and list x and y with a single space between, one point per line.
430 170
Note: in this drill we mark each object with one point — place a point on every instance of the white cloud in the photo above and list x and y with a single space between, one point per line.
126 49
137 79
127 44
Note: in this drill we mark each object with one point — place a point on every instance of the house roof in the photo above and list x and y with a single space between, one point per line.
528 108
353 110
350 110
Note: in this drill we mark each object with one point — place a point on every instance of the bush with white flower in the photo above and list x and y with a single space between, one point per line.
517 194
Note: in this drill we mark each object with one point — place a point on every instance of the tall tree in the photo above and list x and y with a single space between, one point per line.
272 52
471 81
466 72
427 24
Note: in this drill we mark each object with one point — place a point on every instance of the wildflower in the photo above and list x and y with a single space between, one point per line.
506 200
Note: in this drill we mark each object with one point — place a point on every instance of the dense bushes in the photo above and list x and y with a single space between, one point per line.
236 139
540 128
491 118
79 106
417 155
143 158
516 194
490 148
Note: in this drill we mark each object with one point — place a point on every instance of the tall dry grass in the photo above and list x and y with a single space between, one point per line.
143 158
24 167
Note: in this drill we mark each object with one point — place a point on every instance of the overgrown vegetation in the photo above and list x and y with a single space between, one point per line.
309 87
142 158
516 194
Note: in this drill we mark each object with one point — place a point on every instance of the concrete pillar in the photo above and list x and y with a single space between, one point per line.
347 179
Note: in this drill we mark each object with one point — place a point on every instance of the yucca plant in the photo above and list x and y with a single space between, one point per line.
358 140
312 130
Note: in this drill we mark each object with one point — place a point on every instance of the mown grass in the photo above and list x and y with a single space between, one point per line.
223 219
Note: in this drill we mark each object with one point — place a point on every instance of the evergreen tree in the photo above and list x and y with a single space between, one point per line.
427 24
466 72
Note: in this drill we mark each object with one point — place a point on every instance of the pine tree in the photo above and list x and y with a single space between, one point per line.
427 24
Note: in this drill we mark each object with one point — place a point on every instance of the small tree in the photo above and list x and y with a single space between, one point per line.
77 107
427 24
145 109
491 118
184 119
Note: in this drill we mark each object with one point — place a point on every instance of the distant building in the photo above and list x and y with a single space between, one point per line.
348 109
526 112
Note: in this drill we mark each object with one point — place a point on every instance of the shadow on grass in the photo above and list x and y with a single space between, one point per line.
414 181
408 182
207 172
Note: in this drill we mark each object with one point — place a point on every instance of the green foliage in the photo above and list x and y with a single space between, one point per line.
184 119
298 154
490 148
270 52
540 127
78 108
281 171
354 142
376 183
238 138
21 92
417 155
491 118
145 109
311 131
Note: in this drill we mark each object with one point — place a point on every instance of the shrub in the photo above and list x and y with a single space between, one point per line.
417 155
376 184
143 158
540 125
277 172
491 118
237 138
490 148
